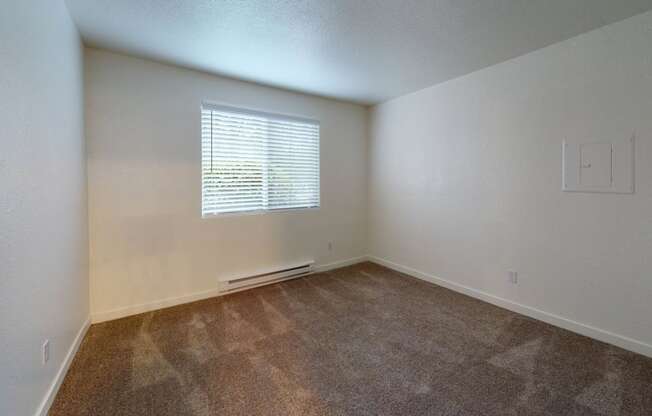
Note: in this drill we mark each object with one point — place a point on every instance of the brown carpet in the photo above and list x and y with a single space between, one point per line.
361 340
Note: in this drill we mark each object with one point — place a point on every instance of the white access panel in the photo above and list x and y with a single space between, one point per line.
598 166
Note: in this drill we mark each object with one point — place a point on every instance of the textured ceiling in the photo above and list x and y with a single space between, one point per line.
364 51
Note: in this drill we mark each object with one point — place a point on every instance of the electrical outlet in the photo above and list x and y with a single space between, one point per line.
512 276
46 351
330 246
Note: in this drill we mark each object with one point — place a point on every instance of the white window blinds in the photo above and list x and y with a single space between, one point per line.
253 161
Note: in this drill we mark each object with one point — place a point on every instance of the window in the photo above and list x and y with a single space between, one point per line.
254 161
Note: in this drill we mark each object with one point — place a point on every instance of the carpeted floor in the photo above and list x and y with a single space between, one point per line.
361 340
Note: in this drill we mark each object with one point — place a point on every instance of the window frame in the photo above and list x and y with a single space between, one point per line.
216 106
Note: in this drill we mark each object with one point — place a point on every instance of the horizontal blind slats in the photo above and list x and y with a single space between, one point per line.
224 155
257 162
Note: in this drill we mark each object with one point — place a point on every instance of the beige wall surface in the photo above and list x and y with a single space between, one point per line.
43 214
465 181
148 241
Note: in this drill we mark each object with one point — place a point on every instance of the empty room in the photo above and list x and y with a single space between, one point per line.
325 207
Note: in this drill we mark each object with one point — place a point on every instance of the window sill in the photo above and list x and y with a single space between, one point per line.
257 212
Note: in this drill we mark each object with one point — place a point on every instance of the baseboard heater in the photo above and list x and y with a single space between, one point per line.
286 273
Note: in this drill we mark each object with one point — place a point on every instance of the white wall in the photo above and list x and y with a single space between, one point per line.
43 215
148 242
465 181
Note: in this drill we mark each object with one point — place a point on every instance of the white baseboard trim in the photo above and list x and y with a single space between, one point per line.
337 264
552 319
118 313
44 407
152 306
